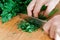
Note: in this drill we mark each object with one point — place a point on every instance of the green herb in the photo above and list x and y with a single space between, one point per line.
27 27
34 21
43 8
53 12
9 8
42 17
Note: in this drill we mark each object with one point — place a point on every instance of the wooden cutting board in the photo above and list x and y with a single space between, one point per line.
9 31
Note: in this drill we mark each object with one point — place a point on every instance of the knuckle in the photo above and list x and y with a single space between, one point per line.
29 8
35 11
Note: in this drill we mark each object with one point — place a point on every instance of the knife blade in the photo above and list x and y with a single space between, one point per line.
32 20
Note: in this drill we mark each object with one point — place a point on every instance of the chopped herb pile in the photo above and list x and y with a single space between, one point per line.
30 25
34 21
27 27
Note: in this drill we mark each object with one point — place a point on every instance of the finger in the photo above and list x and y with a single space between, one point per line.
38 6
51 5
52 31
57 35
58 30
47 26
30 7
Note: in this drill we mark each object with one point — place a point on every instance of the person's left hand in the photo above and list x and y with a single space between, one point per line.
35 6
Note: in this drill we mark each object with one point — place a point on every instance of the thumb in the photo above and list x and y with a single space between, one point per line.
47 26
57 35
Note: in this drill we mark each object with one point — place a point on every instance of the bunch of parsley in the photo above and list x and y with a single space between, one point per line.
10 8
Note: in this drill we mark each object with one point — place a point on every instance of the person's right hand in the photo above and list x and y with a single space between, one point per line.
53 26
35 6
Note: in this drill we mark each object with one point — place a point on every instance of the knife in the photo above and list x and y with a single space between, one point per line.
32 20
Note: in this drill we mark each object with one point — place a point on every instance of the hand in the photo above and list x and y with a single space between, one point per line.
53 26
36 5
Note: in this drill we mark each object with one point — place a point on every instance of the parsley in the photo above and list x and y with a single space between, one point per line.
53 12
10 8
30 25
27 27
43 8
